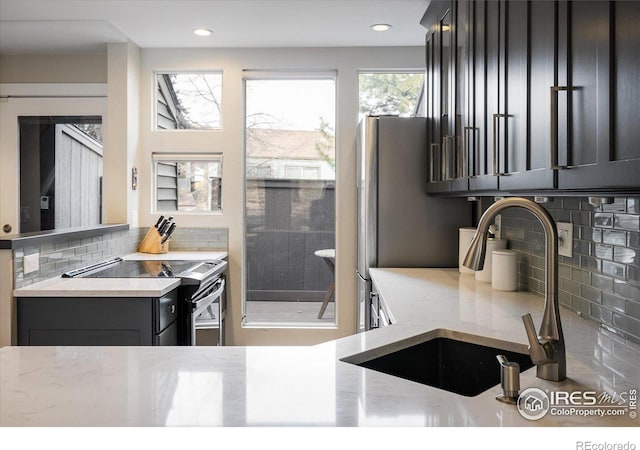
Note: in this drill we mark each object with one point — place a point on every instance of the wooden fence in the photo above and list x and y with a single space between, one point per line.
287 221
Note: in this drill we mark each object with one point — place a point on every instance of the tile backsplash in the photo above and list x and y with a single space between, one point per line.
201 239
68 253
601 281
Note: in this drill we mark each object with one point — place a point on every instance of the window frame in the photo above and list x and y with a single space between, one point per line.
157 157
282 75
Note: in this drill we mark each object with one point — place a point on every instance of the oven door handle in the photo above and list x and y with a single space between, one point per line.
200 305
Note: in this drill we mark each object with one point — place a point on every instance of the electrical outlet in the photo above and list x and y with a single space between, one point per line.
565 239
31 263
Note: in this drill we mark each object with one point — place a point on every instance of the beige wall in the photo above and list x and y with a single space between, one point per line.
229 141
121 141
91 68
130 141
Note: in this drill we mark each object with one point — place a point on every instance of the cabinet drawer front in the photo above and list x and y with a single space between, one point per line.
168 337
167 310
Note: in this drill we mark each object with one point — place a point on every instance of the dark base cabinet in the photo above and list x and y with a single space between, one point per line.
98 321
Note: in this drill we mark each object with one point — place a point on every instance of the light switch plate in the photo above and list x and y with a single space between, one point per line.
565 239
31 263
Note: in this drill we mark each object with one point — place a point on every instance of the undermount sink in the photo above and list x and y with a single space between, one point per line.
456 362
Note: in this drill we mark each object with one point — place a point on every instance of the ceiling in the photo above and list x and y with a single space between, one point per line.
81 26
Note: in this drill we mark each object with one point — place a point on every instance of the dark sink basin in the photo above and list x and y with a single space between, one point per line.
444 359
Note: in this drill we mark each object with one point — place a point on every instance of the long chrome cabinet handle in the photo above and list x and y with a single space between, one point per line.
554 127
444 162
449 155
433 176
495 144
465 150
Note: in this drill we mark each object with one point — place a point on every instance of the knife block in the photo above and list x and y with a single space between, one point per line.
151 243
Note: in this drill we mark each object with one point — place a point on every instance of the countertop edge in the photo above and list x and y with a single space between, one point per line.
11 242
79 287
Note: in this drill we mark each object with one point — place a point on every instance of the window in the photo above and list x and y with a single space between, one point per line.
189 101
188 183
61 169
391 93
290 158
302 172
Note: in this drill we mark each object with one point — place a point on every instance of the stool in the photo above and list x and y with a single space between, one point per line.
329 257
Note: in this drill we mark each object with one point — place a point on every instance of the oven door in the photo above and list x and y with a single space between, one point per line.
207 310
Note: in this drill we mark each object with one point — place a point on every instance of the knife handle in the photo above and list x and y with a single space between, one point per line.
164 227
168 234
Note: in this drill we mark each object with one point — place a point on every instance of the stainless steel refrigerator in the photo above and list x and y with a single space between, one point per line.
399 225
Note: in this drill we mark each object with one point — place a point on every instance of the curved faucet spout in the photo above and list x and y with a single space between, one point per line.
550 336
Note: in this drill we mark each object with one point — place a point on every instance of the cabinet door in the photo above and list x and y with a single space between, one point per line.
485 26
165 310
597 122
432 113
438 19
85 321
169 336
583 108
459 96
447 59
527 68
623 164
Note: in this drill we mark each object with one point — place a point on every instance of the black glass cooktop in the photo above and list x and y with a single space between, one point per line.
140 269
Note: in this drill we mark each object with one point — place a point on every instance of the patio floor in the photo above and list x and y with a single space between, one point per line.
288 312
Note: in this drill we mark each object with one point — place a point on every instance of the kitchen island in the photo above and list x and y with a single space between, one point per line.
311 386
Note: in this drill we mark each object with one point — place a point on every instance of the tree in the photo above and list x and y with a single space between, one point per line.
390 93
197 99
327 143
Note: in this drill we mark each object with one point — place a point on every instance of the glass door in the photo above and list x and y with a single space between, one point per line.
290 160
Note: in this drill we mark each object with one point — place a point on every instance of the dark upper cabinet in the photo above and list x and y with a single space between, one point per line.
438 60
483 29
459 96
528 68
447 167
597 114
514 69
533 95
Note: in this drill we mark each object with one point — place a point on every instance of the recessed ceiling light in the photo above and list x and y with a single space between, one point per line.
380 27
202 32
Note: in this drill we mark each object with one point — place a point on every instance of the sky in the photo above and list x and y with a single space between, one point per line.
299 103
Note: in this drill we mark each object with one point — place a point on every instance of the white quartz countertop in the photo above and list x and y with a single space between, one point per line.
116 287
99 287
303 386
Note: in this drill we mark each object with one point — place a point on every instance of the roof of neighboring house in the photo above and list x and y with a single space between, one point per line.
286 144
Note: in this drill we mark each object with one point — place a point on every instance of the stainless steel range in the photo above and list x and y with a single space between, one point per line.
202 302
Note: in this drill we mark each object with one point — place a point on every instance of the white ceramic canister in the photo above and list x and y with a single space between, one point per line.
464 240
484 275
504 275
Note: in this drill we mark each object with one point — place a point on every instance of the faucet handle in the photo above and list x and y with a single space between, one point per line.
536 350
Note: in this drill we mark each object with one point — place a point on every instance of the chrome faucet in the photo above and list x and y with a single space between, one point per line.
547 350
